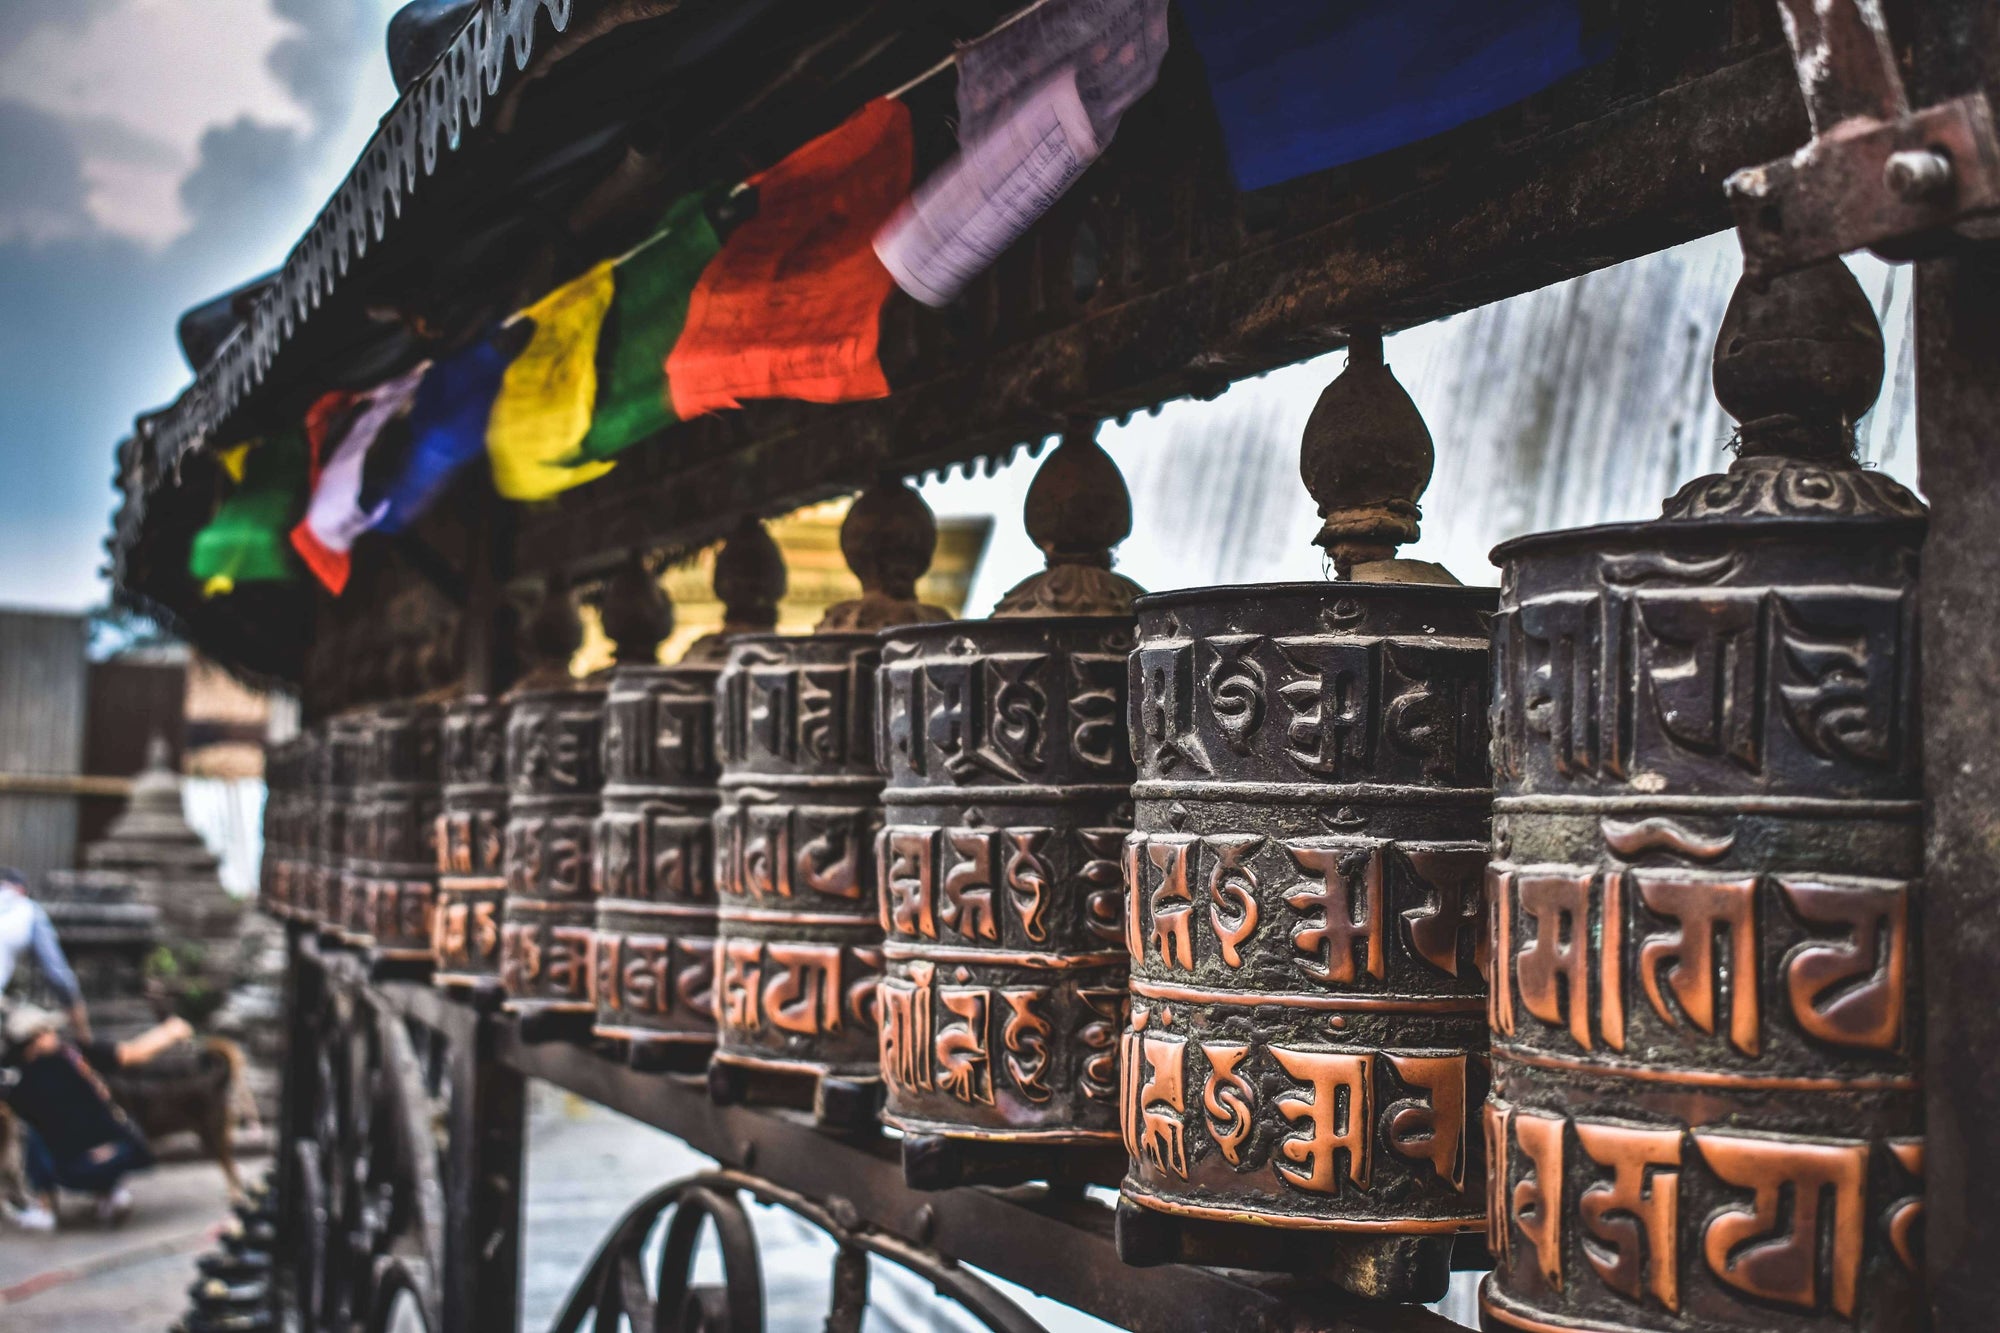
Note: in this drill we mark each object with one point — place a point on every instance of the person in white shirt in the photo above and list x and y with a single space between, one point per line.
25 928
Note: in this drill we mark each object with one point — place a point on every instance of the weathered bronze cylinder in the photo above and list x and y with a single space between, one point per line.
314 762
281 803
555 771
471 835
1304 1058
1007 804
404 798
1706 848
335 808
655 871
799 937
353 916
1304 910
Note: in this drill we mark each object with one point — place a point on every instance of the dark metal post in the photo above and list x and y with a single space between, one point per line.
1958 415
482 1279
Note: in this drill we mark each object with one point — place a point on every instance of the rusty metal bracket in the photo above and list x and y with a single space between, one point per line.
1875 175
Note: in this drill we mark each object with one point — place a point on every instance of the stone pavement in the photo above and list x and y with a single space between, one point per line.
128 1279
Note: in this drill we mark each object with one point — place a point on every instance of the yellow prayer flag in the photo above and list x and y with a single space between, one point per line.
232 459
546 396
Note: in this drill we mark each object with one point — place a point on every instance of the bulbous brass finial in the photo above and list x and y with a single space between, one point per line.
636 613
551 637
888 540
750 580
1078 509
1366 458
1797 363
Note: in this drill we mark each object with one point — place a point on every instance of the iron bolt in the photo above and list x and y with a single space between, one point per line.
1917 174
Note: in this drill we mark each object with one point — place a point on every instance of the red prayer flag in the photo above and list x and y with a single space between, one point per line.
792 306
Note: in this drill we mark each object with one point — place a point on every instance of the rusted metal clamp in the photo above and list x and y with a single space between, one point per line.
1875 174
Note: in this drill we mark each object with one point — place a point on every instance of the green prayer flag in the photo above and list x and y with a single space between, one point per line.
649 308
248 539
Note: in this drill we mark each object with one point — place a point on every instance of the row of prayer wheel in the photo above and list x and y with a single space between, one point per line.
1367 926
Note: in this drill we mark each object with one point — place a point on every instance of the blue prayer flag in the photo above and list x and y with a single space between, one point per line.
447 428
1304 85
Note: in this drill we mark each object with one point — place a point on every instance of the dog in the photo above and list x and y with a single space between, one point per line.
197 1087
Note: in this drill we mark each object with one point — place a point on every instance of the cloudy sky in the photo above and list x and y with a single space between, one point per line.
152 154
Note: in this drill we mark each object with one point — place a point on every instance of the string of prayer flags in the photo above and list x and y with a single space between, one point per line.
1114 46
447 427
649 307
1304 85
543 410
245 542
338 511
791 307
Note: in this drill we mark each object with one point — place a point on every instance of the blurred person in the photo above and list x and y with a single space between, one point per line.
73 1135
25 928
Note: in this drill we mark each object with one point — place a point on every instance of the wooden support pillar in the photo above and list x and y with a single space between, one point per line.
481 1284
1958 435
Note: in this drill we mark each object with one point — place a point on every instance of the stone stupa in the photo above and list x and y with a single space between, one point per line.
151 847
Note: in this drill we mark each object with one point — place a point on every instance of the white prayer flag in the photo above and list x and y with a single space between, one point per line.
970 210
1114 46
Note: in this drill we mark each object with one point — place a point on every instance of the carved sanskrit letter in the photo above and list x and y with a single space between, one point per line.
1232 893
1163 1101
1631 1220
569 963
1028 879
906 1028
644 974
831 863
1702 907
1837 673
738 968
1500 948
1560 951
1498 1234
1098 1037
1344 889
968 886
964 1068
1850 991
485 929
1026 1037
1171 903
1536 1207
1337 1117
909 867
694 977
804 997
1103 904
1453 905
1745 1246
1135 887
1703 668
1435 1128
1330 688
1227 1097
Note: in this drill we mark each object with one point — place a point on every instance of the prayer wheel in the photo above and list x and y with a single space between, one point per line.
1706 847
281 801
405 793
1304 1061
336 807
799 947
555 772
353 915
1007 804
314 762
471 832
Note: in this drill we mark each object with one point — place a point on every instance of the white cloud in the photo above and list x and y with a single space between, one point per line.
141 81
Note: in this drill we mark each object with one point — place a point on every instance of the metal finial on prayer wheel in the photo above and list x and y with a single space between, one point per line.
800 933
888 539
1078 510
554 775
636 613
750 580
1707 843
1366 459
653 876
1303 1058
1797 364
1007 805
